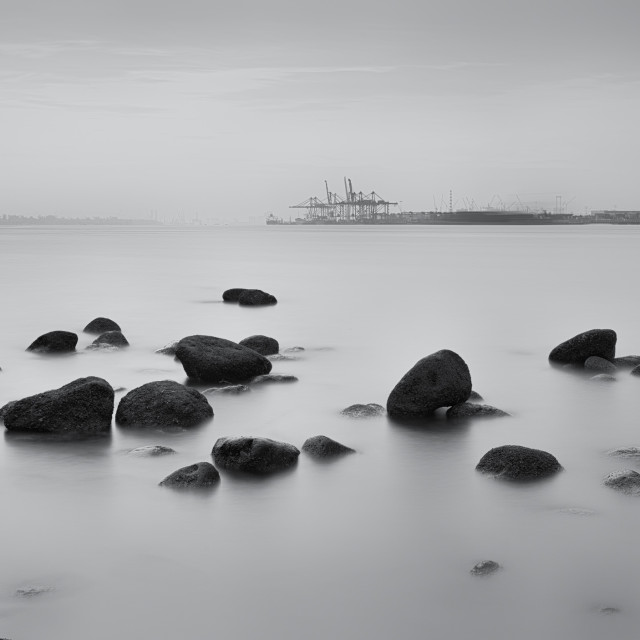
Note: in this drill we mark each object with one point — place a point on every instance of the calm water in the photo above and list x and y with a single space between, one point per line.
376 545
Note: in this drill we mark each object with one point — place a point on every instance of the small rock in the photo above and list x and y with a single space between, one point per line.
255 298
518 463
254 455
273 378
54 342
363 410
635 371
596 342
324 447
109 339
485 568
151 451
627 362
200 474
232 389
472 410
276 357
474 396
262 344
168 349
603 377
294 349
29 592
625 452
626 481
595 363
101 325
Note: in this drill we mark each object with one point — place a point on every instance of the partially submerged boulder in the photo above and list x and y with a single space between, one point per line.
113 339
325 447
231 389
274 377
84 406
603 377
54 342
473 410
169 349
101 325
215 360
232 295
253 455
518 463
163 404
596 363
442 379
474 396
152 451
595 342
363 410
625 452
627 362
635 371
198 475
255 298
485 568
262 344
627 481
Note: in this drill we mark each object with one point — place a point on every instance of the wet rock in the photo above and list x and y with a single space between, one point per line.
168 349
54 342
363 410
30 592
109 339
273 377
277 357
607 611
595 363
627 481
596 342
324 447
200 474
254 455
232 389
625 452
163 404
255 298
603 377
518 463
232 295
84 406
635 371
294 349
473 410
627 362
210 359
262 344
101 325
485 568
442 379
5 408
151 451
474 396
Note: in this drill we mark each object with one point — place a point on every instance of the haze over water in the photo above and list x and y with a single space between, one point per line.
375 545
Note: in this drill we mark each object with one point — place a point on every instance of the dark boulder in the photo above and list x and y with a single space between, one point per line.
255 298
5 408
54 342
473 410
163 404
253 455
596 363
596 342
84 406
635 371
210 359
442 379
152 451
626 481
324 447
262 344
363 410
485 568
101 325
232 295
273 377
110 339
518 463
200 474
627 362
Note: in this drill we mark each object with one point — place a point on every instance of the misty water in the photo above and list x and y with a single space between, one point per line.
378 544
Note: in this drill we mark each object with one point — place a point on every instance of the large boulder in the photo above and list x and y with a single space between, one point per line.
627 481
596 342
262 344
101 325
253 455
113 339
54 342
232 295
442 379
200 474
163 404
325 447
84 406
255 298
474 410
215 360
518 463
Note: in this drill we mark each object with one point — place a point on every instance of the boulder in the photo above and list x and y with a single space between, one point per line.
596 342
255 298
253 455
54 342
442 379
152 451
163 404
626 481
262 344
6 408
635 371
324 447
84 406
485 568
200 474
627 362
518 463
363 410
110 339
596 363
232 295
473 410
101 325
215 360
273 377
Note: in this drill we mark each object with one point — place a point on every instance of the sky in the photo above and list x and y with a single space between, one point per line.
230 110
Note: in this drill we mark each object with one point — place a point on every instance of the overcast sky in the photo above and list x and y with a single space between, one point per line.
233 109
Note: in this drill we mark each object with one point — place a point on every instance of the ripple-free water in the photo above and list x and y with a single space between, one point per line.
378 544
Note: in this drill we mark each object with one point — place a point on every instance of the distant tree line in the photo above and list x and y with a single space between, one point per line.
9 219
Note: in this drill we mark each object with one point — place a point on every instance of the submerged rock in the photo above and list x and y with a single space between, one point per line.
109 339
442 379
518 463
254 455
30 592
101 325
596 363
294 349
474 396
595 342
635 371
255 298
627 481
625 452
627 362
603 377
273 377
54 342
152 451
262 344
168 349
200 474
485 568
232 389
472 410
163 404
210 359
84 406
363 410
325 447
